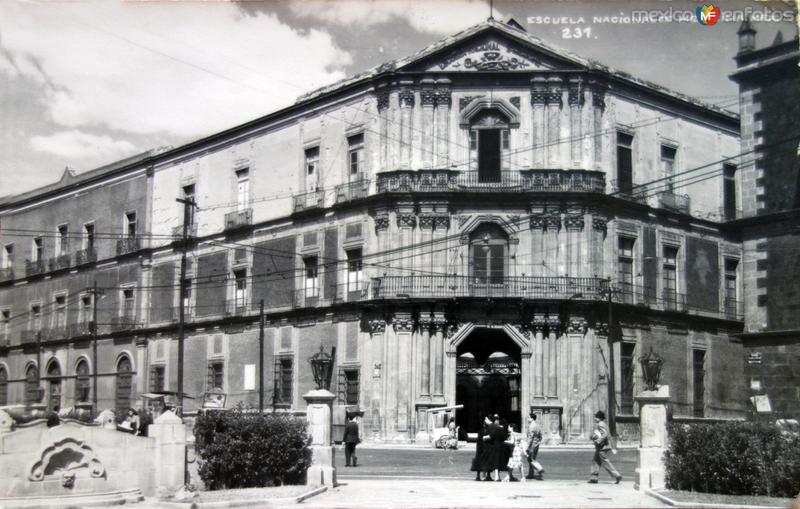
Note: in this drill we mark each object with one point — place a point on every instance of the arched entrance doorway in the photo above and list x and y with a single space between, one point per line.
488 378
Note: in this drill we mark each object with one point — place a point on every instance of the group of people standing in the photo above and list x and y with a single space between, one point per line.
499 448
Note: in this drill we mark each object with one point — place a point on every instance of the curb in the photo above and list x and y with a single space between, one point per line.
675 503
224 504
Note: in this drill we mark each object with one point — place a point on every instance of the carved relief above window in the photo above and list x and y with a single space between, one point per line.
488 56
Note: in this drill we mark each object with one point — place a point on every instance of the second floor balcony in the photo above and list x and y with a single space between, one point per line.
80 329
352 191
29 336
238 219
307 201
674 202
237 306
34 267
62 261
128 245
86 255
124 322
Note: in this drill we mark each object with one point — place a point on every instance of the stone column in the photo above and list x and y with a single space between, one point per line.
598 106
441 224
538 128
403 329
650 471
599 228
573 223
393 139
382 98
377 329
322 471
439 324
170 452
575 108
554 103
538 356
442 134
552 255
406 97
406 220
428 144
425 324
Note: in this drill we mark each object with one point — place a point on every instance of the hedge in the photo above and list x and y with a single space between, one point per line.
736 458
242 449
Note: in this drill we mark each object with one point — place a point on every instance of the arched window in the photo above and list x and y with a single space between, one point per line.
82 382
488 245
32 394
122 393
54 385
3 386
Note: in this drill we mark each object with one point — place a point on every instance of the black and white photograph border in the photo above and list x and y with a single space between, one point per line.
380 254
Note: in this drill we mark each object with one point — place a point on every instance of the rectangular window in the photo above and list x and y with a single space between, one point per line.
242 189
624 163
36 317
284 379
88 236
669 277
699 376
128 304
626 370
86 309
157 378
354 268
488 263
625 264
731 290
473 139
312 276
62 240
312 160
489 143
355 155
130 224
60 318
216 375
187 293
188 194
5 319
8 256
668 166
352 386
38 250
240 288
729 191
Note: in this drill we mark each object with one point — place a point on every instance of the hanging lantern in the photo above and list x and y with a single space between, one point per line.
321 364
651 369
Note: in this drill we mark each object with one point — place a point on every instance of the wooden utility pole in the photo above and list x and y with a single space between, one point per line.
94 346
261 360
612 421
188 204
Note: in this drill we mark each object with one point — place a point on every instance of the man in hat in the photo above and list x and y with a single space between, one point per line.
602 446
351 440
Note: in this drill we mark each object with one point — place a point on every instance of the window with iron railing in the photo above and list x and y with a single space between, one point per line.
669 277
37 254
131 228
240 288
312 276
354 270
62 240
216 375
624 163
312 175
731 290
36 317
668 167
5 320
625 265
284 376
82 382
188 195
355 156
8 256
729 200
699 386
32 393
627 369
86 310
128 304
242 189
60 318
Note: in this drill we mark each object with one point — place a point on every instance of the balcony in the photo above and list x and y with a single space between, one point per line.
308 201
636 195
60 262
526 287
123 323
237 307
34 267
674 202
28 336
6 274
128 245
84 256
673 301
80 329
54 333
352 191
238 219
529 181
335 294
177 231
732 309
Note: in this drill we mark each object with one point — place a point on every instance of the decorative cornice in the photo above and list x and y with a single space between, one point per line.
600 223
406 98
536 221
403 324
406 220
441 221
426 221
381 222
539 95
377 326
383 99
576 326
427 97
573 222
425 322
553 96
576 96
552 222
598 95
443 97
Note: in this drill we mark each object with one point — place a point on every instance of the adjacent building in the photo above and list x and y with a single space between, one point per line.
453 224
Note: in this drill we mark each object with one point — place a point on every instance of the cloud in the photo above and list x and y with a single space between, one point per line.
178 68
444 17
77 145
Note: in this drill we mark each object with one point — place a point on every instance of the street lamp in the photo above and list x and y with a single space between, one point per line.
651 369
321 364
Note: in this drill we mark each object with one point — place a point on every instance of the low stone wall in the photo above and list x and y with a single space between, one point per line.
76 459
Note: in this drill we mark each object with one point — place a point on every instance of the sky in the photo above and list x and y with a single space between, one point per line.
86 83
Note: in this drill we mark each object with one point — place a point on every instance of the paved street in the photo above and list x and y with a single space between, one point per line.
429 463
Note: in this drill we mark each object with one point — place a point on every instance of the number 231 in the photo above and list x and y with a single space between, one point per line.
576 33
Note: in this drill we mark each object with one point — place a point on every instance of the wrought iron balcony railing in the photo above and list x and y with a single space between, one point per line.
123 323
54 333
634 194
307 201
80 329
533 180
238 219
334 294
29 336
732 309
34 267
87 255
674 202
128 245
237 307
352 191
60 262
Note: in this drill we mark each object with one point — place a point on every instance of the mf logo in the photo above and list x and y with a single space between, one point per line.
707 14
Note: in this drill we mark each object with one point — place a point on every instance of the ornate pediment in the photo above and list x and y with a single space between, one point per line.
489 55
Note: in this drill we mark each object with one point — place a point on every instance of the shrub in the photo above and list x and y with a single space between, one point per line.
736 458
241 449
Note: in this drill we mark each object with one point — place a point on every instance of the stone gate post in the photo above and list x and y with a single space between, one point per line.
650 471
318 413
170 452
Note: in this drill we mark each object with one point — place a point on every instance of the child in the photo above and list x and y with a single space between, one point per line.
519 458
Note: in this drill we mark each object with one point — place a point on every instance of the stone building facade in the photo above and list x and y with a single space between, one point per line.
452 223
769 83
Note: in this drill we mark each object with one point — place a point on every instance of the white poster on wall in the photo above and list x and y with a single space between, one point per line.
249 377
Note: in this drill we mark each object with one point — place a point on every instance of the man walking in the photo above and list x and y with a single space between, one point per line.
350 441
602 446
535 470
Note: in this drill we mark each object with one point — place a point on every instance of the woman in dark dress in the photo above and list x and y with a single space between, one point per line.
498 456
479 463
